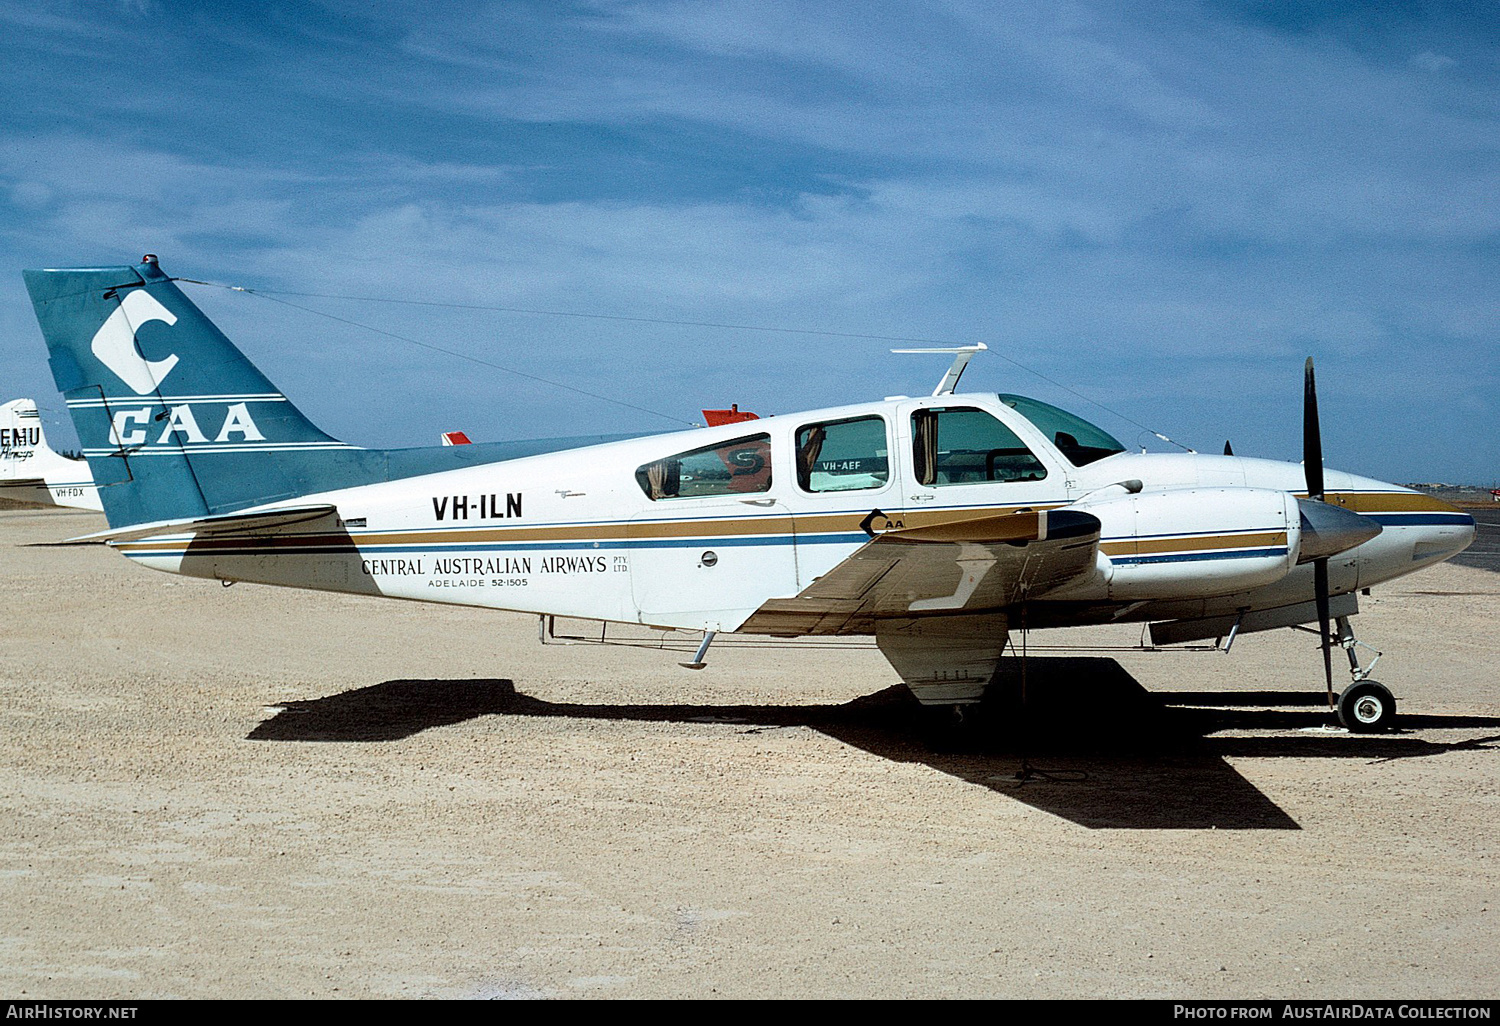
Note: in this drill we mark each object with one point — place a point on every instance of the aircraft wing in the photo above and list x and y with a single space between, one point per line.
967 566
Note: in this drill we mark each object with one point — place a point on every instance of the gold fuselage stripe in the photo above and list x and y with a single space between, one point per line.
1192 543
781 524
1387 502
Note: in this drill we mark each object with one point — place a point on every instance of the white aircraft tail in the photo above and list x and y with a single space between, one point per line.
31 472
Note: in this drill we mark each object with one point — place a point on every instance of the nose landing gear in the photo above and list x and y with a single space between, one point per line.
1365 706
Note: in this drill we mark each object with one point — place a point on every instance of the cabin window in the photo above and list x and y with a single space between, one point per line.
1080 442
843 455
962 445
730 468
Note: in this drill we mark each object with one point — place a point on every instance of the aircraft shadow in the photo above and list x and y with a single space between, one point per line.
1104 751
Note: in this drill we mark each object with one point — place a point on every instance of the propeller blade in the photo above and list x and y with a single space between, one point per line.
1320 587
1312 467
1312 437
1227 450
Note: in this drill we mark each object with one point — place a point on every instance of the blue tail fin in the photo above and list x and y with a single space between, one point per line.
176 422
168 411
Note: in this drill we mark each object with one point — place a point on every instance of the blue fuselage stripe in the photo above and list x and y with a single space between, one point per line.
1188 557
1421 519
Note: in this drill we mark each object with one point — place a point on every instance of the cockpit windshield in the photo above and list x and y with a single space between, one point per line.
1078 440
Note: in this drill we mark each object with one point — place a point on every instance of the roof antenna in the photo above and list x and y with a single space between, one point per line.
962 356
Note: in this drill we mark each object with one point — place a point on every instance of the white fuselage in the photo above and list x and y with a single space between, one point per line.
578 533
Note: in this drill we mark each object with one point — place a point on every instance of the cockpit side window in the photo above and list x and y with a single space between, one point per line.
1080 442
962 445
738 467
843 455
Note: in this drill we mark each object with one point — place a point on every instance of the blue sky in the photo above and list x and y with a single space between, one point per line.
1165 207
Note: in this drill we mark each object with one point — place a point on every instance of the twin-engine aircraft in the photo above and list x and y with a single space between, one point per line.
31 471
935 524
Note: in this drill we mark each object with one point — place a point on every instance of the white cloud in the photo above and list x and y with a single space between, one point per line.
30 195
1429 61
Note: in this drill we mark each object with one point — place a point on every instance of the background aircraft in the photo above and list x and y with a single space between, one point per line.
30 471
936 524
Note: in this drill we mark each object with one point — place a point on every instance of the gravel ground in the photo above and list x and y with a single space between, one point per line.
250 792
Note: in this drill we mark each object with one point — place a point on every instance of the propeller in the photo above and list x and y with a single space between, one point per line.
1312 467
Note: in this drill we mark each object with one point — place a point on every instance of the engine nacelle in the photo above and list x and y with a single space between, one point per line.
1190 543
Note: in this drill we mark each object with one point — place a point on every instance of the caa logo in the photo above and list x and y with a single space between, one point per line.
115 346
129 426
114 342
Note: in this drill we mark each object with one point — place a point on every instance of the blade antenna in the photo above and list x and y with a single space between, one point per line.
961 357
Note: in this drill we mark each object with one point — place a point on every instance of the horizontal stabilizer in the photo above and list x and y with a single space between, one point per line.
210 525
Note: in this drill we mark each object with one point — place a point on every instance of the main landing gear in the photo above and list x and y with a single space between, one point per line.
1365 706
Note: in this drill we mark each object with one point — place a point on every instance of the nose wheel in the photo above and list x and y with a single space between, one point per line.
1367 707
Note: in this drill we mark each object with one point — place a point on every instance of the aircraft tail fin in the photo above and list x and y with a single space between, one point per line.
175 422
22 442
31 471
178 425
21 426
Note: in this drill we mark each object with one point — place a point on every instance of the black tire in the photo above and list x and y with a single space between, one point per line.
1367 707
